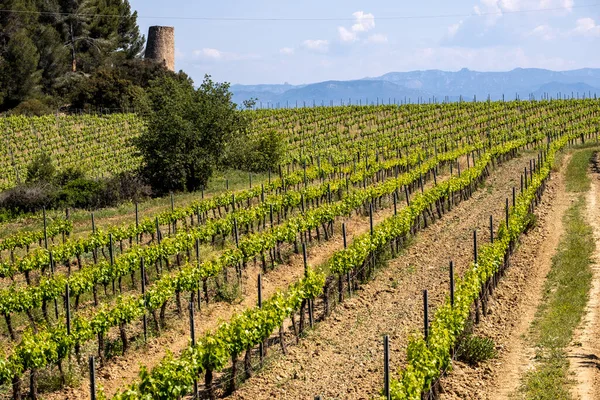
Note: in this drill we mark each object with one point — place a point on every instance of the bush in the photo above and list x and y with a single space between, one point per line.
127 186
33 108
29 197
67 175
81 193
41 169
474 349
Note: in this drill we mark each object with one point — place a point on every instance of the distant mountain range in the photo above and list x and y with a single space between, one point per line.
424 86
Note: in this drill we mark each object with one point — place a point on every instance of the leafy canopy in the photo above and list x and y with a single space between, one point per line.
188 132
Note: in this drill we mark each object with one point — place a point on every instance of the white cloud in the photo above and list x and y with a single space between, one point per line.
565 4
288 51
542 31
453 29
179 54
364 22
318 45
211 54
586 27
346 35
377 38
495 9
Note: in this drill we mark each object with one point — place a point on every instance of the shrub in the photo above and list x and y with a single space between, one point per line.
475 349
29 197
33 108
41 169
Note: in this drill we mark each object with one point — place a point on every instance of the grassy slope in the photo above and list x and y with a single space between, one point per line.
565 294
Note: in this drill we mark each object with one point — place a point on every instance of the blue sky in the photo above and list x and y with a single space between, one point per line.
355 39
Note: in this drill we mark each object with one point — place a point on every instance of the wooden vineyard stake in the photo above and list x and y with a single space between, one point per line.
261 346
395 203
111 257
491 229
143 279
45 229
514 196
371 218
137 223
425 315
475 258
52 273
304 258
235 232
348 278
530 170
68 308
521 183
92 378
386 367
452 283
406 194
193 339
506 212
311 318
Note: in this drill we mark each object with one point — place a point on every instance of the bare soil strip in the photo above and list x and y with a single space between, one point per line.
342 357
514 304
585 350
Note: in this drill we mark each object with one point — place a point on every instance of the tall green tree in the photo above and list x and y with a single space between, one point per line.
19 69
188 132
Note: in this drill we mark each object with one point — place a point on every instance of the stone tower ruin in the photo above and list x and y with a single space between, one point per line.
161 45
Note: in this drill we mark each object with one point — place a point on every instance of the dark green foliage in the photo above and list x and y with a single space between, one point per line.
19 77
47 46
68 188
81 193
41 169
122 87
34 107
188 132
475 349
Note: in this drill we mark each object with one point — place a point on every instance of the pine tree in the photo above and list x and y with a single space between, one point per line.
61 39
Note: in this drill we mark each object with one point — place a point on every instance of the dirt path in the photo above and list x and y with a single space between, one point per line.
585 350
349 345
514 304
